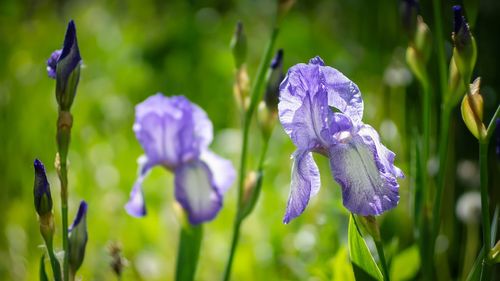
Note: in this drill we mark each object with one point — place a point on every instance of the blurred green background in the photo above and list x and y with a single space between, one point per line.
133 49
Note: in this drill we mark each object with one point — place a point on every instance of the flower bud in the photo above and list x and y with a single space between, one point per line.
241 87
465 51
78 238
266 118
369 225
408 11
456 89
275 76
68 69
239 45
416 64
472 110
251 192
41 190
423 40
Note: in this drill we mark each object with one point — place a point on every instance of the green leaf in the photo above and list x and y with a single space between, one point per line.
43 273
189 251
362 261
475 271
406 264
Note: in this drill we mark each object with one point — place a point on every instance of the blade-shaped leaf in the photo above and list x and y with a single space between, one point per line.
43 273
363 264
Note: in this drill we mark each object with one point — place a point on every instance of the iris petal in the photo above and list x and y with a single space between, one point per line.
172 130
196 192
136 205
305 184
222 170
368 186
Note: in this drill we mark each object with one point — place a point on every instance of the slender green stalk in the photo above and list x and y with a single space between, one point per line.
189 251
255 96
381 255
426 123
443 157
63 178
56 268
485 210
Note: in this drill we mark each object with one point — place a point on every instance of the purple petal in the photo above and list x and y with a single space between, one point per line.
82 211
136 205
364 169
305 184
306 95
222 170
52 63
196 192
172 130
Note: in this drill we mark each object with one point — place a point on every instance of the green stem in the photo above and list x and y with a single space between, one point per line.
485 210
380 251
426 123
56 268
63 177
443 160
189 251
255 96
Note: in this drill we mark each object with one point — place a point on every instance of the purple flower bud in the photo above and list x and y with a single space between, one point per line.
41 191
274 80
78 238
52 63
461 31
68 69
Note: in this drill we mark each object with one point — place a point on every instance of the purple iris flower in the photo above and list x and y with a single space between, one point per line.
321 110
175 134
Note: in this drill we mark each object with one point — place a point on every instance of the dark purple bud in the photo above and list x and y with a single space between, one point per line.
41 190
68 69
408 10
276 75
461 31
78 238
52 63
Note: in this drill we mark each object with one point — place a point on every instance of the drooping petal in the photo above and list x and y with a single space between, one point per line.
306 95
172 130
305 184
196 192
363 168
136 205
222 170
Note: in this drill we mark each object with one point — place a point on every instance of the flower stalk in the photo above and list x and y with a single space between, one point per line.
256 94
